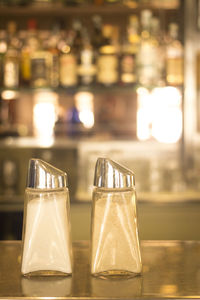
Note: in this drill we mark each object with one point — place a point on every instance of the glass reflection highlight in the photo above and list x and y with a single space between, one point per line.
46 287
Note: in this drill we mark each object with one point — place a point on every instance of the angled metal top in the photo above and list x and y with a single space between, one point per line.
42 175
110 174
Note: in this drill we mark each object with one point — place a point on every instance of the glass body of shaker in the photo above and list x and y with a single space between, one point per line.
115 249
46 236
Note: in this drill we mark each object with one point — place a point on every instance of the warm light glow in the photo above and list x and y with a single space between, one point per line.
167 116
9 95
168 289
44 115
141 91
66 49
167 126
87 118
3 47
144 114
84 102
159 114
170 95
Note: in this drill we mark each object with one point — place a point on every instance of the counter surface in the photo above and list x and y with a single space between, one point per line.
171 269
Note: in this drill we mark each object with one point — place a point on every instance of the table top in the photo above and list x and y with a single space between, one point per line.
171 269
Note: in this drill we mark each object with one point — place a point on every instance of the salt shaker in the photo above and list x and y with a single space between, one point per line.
115 247
47 247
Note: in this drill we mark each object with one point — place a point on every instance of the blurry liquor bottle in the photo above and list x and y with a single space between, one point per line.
147 57
97 38
198 87
41 64
3 50
158 40
69 56
52 47
86 63
198 69
12 58
174 57
107 61
128 71
30 45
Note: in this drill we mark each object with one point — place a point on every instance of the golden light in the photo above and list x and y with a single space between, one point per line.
66 49
45 115
159 114
9 95
167 115
84 102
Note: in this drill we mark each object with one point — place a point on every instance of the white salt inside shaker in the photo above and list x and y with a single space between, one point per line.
47 248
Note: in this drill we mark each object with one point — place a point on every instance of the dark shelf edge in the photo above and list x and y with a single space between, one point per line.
59 10
72 90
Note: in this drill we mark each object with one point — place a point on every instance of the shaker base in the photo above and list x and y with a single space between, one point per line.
116 274
46 273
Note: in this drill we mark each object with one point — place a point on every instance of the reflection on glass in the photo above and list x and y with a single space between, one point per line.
46 287
168 289
121 288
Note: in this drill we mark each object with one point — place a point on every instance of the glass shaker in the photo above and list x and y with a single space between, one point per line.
115 248
47 247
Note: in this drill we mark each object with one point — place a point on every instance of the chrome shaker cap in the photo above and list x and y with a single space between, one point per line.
109 174
42 175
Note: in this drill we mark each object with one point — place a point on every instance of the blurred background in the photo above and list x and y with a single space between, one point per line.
103 78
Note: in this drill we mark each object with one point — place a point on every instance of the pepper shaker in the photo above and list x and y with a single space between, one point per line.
115 248
47 247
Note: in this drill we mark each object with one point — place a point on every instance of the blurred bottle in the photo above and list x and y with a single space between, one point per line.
74 126
68 56
107 61
159 43
128 71
147 59
41 63
97 38
86 63
31 44
3 50
198 70
12 57
52 47
174 57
